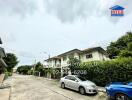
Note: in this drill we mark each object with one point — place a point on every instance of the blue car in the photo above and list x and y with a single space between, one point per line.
119 91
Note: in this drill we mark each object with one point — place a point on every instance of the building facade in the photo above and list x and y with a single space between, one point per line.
90 54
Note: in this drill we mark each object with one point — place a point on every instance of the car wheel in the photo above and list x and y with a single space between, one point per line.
121 96
82 90
63 85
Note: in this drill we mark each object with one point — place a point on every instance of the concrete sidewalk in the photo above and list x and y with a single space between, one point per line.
4 94
4 88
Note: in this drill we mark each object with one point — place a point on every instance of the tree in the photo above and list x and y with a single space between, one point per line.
24 69
129 45
123 43
39 68
11 61
73 63
125 53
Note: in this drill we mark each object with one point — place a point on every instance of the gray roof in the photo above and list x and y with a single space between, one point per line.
94 49
53 58
69 52
100 49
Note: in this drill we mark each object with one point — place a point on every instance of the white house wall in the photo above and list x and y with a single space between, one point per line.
76 55
65 62
52 63
96 56
103 56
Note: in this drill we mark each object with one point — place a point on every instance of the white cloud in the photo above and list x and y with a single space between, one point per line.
8 37
21 7
65 10
70 10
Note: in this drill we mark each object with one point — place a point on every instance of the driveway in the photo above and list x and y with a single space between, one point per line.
36 88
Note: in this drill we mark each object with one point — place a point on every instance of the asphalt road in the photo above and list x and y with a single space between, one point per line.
35 88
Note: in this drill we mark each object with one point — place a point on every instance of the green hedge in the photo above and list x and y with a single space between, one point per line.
108 71
24 69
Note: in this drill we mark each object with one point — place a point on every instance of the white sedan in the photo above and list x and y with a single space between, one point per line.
78 83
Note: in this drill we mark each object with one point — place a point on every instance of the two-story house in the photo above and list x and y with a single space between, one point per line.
54 62
90 54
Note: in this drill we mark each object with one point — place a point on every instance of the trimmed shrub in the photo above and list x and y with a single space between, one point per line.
56 73
108 71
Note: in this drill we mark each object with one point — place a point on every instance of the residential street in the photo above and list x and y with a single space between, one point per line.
35 88
65 49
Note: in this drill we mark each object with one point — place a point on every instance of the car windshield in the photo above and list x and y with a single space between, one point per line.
81 78
130 84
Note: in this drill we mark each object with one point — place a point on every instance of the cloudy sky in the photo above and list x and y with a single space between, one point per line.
32 29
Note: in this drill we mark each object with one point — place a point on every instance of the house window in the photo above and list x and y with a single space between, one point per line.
89 56
64 58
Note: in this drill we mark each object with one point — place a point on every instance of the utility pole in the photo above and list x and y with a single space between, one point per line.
47 54
48 62
34 67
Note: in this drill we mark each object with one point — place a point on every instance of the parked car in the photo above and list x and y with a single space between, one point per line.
119 91
78 83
